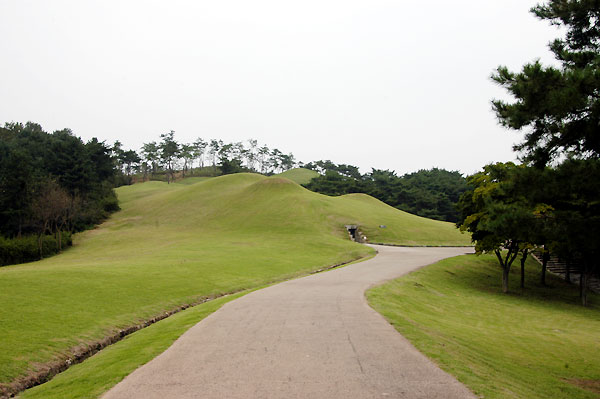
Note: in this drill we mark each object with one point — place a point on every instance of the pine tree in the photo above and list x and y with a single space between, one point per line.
558 107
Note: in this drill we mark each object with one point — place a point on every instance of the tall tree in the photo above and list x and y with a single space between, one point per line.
213 151
287 161
498 218
275 161
199 148
99 154
151 154
49 211
252 154
117 154
577 213
558 107
238 150
17 176
169 151
130 159
263 160
187 154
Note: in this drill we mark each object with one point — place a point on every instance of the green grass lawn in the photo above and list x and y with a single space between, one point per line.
174 244
104 370
539 343
192 180
299 175
98 374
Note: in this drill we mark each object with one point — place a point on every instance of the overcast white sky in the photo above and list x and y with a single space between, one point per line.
400 85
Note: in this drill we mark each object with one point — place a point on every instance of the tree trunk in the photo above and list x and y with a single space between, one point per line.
523 258
505 264
505 280
568 271
583 287
40 244
545 257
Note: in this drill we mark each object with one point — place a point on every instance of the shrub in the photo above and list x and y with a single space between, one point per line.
25 249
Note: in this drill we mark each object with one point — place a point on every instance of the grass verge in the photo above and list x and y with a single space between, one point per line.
107 368
536 343
98 374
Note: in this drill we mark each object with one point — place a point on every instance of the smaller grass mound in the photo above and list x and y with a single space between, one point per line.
539 343
299 175
192 180
382 223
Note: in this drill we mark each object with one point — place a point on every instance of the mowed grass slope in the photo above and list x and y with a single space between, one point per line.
536 343
299 175
173 244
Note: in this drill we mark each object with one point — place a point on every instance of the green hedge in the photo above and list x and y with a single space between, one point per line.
25 249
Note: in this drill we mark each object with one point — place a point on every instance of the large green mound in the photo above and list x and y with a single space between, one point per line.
299 175
173 244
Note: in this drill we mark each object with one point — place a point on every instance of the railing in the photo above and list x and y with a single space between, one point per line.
570 272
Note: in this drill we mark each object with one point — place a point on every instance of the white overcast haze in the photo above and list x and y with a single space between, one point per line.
400 85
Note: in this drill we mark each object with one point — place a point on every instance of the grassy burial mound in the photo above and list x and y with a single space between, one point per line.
538 343
299 175
175 244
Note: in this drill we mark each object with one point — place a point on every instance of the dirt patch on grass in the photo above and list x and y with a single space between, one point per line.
588 385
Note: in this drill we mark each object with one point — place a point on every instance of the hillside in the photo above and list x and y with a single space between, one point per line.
299 175
174 244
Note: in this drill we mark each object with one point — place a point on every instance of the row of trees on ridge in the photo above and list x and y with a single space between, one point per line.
209 157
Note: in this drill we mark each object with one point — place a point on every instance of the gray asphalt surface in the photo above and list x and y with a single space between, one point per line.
314 337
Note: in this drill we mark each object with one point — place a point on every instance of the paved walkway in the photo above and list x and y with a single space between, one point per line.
314 337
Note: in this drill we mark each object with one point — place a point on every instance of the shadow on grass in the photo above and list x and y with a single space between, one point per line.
486 278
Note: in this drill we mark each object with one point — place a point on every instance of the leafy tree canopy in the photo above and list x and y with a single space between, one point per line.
30 158
430 193
558 107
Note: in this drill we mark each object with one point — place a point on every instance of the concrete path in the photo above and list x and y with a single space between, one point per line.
314 337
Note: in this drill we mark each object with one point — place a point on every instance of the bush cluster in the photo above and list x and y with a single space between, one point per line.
26 248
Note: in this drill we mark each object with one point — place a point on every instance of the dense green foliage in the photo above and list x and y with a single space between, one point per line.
535 343
510 209
429 193
26 248
559 107
50 183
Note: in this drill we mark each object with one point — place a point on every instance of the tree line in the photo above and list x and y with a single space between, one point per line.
212 157
431 193
552 200
50 184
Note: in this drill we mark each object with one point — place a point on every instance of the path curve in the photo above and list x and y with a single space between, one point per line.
313 337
